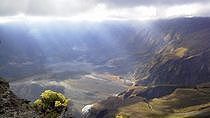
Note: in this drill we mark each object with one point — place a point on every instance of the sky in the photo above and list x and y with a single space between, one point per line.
101 9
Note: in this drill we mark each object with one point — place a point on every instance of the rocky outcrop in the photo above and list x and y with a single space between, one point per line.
107 108
13 107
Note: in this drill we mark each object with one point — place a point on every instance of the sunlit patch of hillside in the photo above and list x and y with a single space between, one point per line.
181 103
180 52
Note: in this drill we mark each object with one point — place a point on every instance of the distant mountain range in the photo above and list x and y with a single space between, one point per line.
178 64
28 47
166 59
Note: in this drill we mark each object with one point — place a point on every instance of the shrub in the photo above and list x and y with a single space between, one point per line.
51 102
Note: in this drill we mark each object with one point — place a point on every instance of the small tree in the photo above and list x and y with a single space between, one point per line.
51 102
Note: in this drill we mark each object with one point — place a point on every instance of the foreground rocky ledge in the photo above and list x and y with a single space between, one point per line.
13 107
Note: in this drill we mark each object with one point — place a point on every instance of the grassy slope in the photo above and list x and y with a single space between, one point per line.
182 103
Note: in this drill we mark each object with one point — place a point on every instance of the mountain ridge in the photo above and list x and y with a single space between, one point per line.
181 61
161 57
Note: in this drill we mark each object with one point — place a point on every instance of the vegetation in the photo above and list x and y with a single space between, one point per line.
122 115
180 52
182 103
51 103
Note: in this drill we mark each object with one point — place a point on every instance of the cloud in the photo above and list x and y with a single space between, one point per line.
132 3
44 7
102 9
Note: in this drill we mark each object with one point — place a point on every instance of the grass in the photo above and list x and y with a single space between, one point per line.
182 103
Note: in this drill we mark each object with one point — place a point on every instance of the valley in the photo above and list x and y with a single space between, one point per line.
144 69
77 80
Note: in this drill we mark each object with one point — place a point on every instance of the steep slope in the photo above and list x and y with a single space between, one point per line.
167 84
13 107
184 58
182 103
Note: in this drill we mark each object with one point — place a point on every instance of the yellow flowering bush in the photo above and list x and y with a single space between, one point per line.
58 104
38 102
51 101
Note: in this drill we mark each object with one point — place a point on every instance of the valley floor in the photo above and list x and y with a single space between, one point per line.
77 81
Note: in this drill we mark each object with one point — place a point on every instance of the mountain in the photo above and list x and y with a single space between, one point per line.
184 58
173 75
182 103
80 60
85 61
164 59
34 45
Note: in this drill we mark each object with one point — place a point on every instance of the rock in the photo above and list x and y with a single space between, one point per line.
86 111
13 107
